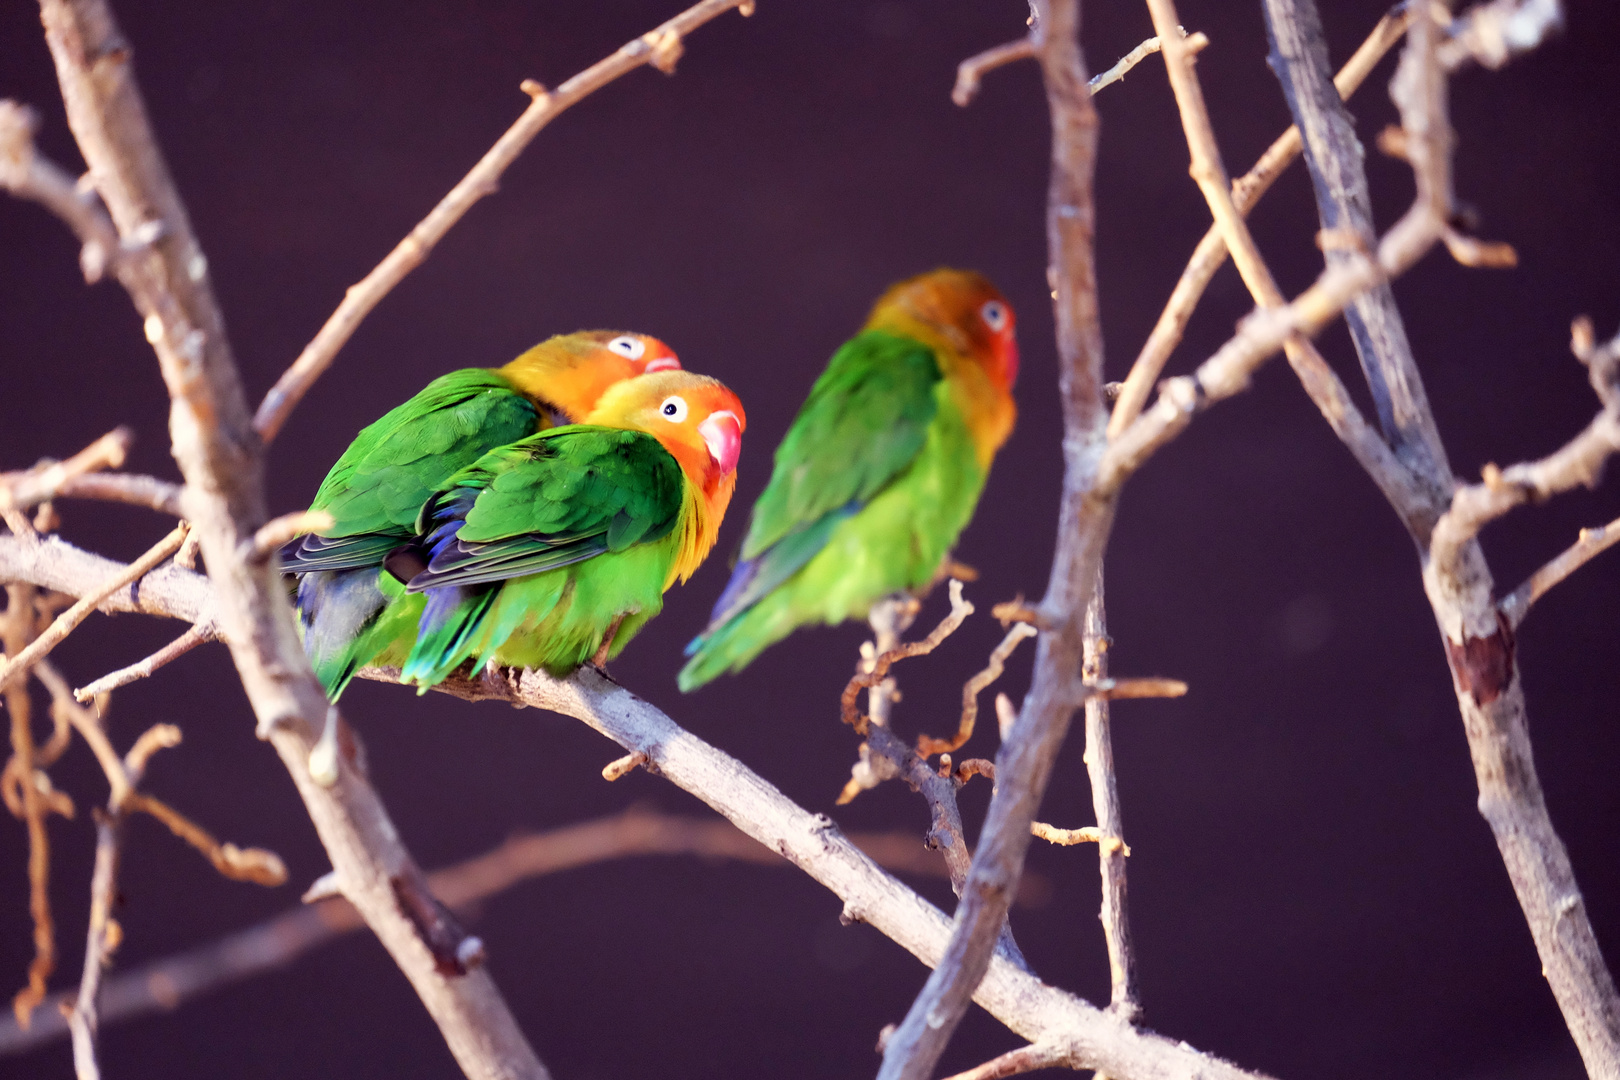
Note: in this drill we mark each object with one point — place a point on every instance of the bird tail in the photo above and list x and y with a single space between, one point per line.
732 645
448 633
338 609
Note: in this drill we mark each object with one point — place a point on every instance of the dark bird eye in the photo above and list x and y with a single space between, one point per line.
994 314
628 347
673 408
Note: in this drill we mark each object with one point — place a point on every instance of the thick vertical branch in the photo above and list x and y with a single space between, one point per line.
1335 159
222 460
1024 765
1111 848
1478 641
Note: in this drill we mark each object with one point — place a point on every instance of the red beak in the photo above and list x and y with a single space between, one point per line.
667 362
723 435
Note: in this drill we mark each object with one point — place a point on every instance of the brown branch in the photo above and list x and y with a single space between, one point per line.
1031 1008
887 658
928 746
165 984
143 668
274 533
659 47
17 628
1591 543
1024 763
136 490
18 663
21 490
1211 252
28 175
1111 850
970 72
221 459
1014 1062
1475 630
239 864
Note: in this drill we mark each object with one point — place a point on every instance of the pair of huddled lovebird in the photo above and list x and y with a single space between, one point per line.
533 515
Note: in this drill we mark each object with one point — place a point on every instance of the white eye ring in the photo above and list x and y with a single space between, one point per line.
673 409
994 314
628 347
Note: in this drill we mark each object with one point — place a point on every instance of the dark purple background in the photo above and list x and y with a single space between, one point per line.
1312 891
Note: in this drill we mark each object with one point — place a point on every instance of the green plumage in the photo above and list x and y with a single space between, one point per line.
872 485
374 494
540 547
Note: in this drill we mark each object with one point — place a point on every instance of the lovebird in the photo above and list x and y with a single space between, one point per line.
376 490
879 472
556 549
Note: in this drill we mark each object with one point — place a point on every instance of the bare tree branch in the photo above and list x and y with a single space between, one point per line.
659 47
221 458
17 665
1211 251
971 72
1024 764
21 490
1014 1062
1111 848
1476 631
165 984
1591 543
143 668
1033 1009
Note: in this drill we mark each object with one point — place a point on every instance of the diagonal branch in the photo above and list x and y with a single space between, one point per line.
1477 633
1589 545
660 47
221 458
1033 1009
1211 252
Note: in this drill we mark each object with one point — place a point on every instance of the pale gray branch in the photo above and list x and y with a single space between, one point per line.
660 47
1039 1012
221 458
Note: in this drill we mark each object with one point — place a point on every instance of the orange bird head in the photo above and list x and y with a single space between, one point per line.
700 423
971 326
567 374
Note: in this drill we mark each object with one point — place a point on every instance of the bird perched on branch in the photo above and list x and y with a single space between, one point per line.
879 472
376 490
557 549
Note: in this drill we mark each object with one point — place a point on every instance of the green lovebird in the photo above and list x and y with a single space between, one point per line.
879 473
376 490
555 550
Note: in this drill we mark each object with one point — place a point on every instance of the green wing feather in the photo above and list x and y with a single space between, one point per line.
560 497
872 485
864 421
553 539
388 472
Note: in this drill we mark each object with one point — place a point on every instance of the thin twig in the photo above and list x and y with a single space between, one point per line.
659 47
1196 43
1211 252
928 746
221 460
278 531
1015 1062
21 490
1033 1009
1591 543
1475 631
1111 850
1025 761
863 680
131 488
28 175
143 668
970 72
165 984
65 623
17 628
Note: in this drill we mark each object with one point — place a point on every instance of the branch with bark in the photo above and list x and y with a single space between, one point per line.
1088 1036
